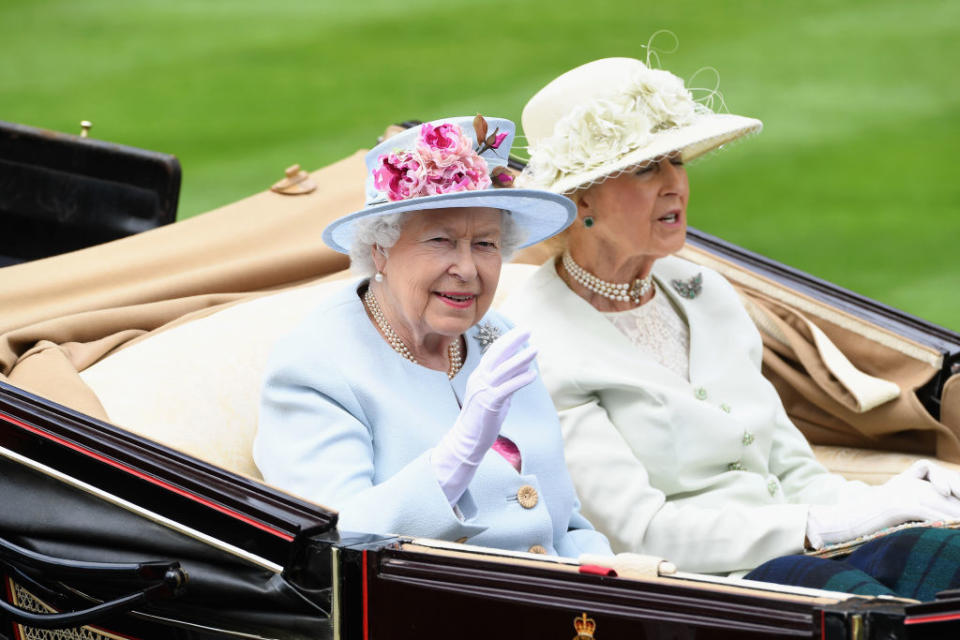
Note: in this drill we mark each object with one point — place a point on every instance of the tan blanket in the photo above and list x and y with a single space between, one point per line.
62 314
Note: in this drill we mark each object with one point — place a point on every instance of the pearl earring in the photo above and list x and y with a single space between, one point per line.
378 277
588 221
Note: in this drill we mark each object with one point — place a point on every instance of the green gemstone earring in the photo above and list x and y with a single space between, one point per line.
588 221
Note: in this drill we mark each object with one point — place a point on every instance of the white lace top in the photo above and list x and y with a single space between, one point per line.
657 329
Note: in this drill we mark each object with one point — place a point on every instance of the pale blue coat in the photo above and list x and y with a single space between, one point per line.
347 422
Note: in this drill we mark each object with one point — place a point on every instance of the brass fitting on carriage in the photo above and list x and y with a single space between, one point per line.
296 182
630 565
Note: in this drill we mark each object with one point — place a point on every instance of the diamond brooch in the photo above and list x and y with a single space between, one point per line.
487 334
689 289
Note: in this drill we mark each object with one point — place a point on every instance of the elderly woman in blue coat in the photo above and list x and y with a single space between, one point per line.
404 403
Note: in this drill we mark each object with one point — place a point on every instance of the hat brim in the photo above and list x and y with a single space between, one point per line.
704 135
540 214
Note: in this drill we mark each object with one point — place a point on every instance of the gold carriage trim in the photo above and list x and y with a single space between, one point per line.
22 598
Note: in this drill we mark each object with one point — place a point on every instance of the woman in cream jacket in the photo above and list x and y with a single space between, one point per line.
677 444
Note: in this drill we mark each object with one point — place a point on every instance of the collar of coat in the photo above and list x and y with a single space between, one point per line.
708 316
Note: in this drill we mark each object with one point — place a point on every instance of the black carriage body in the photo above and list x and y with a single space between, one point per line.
60 192
85 492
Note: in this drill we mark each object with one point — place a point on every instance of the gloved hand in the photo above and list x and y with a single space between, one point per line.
904 498
503 370
946 482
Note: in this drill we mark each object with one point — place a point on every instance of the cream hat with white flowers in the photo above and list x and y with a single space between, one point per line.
602 118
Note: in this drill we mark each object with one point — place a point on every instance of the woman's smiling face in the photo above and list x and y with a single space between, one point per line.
440 276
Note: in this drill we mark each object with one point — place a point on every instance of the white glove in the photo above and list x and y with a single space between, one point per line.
946 482
904 498
503 370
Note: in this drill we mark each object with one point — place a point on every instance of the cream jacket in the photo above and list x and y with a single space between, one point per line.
709 473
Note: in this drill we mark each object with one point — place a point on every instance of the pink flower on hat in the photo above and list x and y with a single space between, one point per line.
443 161
465 174
443 145
400 175
501 177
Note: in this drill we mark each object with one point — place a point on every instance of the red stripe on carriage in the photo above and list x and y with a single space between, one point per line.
151 479
366 617
933 617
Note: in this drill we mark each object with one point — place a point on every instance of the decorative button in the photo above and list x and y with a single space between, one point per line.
735 466
527 496
747 439
773 486
537 548
700 393
725 407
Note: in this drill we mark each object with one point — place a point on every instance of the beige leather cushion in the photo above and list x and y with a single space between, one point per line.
873 467
196 387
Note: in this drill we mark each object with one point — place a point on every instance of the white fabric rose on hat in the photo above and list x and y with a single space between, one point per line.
589 137
663 96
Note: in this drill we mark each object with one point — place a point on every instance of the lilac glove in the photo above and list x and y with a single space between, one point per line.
904 498
503 370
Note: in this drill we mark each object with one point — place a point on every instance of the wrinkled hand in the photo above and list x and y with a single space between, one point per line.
904 498
503 370
944 481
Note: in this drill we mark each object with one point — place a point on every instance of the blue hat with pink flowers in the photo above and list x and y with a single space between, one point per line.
453 162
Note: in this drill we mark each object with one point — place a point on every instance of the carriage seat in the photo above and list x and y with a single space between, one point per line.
195 387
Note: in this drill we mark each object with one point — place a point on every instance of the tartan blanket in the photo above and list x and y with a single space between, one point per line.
912 562
849 546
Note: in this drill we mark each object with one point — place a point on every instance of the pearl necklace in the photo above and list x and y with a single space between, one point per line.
620 291
454 351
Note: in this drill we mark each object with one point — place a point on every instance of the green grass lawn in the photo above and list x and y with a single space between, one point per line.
853 179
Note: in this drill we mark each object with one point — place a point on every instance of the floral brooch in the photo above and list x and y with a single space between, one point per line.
689 289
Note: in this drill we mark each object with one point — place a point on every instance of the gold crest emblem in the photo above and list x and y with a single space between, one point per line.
585 627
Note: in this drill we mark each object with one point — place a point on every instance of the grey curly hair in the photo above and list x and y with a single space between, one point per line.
384 231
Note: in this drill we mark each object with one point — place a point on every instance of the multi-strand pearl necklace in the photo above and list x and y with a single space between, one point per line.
620 291
454 351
